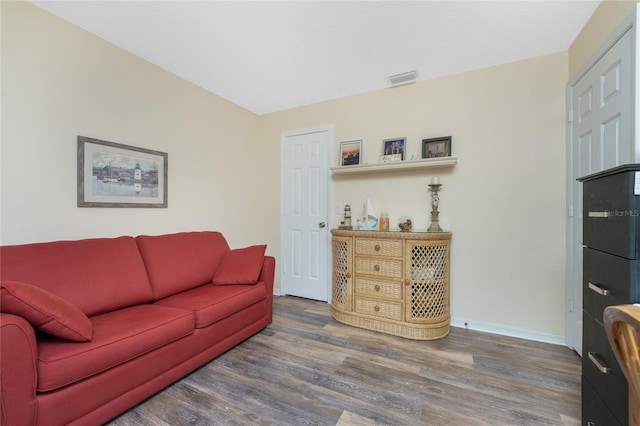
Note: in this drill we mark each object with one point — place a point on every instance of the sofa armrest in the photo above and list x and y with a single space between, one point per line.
18 371
267 275
268 271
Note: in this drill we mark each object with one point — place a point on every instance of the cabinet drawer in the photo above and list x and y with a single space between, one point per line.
597 355
594 410
608 280
373 247
611 213
379 308
379 267
387 289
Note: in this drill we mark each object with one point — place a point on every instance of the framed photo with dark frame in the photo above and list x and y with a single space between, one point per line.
436 147
116 175
394 146
350 153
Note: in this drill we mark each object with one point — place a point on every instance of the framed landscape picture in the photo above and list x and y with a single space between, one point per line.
116 175
436 147
350 153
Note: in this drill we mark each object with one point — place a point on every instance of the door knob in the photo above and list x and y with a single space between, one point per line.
322 225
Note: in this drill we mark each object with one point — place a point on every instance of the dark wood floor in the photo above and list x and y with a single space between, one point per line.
308 369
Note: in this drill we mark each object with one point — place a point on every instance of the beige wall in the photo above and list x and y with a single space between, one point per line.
602 22
505 199
59 82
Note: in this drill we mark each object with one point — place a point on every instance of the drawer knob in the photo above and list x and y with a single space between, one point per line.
599 365
377 247
376 268
348 274
601 291
377 287
406 281
376 308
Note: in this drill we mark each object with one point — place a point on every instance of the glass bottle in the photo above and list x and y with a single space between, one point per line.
384 221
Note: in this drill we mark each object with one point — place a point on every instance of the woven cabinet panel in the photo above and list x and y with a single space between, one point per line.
379 308
429 282
372 247
386 289
429 301
341 271
429 262
379 267
340 289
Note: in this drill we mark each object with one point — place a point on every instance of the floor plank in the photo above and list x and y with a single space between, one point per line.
308 369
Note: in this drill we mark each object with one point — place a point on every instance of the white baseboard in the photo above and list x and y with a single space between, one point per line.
506 330
503 330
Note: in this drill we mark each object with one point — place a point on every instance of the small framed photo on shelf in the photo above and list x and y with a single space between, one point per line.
394 146
350 153
436 147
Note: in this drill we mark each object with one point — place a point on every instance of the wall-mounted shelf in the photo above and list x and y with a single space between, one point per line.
398 166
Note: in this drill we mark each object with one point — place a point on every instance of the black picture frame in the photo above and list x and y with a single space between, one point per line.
436 147
116 175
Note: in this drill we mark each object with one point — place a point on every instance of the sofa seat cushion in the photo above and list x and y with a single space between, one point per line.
118 337
211 303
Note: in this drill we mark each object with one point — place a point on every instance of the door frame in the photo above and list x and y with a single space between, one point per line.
629 23
328 150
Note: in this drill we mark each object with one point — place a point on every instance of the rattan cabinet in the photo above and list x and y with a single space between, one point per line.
392 282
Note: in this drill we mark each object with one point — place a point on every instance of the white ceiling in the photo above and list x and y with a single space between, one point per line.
269 56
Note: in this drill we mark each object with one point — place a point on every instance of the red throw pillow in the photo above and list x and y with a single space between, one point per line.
45 311
240 266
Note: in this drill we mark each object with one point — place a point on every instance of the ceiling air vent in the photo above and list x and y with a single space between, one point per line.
403 78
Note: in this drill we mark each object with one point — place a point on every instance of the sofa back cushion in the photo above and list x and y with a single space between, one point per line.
177 262
94 275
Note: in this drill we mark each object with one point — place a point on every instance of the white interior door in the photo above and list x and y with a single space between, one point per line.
305 213
600 136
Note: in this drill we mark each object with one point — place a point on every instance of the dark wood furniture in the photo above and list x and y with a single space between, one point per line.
611 272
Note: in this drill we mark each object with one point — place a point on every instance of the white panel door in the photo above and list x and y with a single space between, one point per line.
601 137
305 213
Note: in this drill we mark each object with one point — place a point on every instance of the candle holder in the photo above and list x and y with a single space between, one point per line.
435 226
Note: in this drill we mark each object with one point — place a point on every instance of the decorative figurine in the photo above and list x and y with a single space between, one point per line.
405 224
370 219
347 217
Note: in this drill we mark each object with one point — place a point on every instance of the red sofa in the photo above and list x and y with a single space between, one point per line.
90 328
